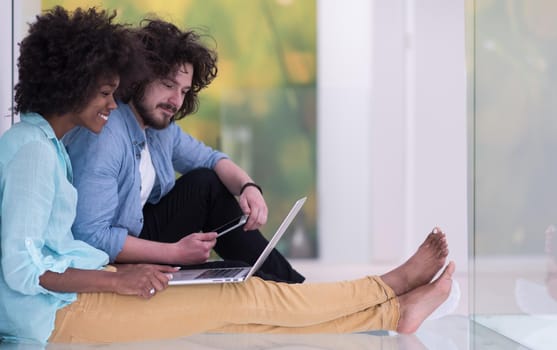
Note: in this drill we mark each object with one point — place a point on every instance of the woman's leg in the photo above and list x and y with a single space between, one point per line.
412 309
257 306
252 306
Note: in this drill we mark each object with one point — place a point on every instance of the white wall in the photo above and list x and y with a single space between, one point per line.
440 141
5 66
391 128
345 61
24 12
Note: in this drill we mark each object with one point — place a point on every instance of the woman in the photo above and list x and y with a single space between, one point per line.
69 68
54 288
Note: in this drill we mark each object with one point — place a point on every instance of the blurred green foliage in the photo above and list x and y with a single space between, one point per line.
265 85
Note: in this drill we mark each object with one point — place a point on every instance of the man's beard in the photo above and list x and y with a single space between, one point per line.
149 120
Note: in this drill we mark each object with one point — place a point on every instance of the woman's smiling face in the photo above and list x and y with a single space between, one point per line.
95 114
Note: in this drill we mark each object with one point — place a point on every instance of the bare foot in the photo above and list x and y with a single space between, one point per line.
421 267
418 304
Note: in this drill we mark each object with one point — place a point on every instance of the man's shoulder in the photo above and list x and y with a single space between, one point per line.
118 119
168 134
122 121
114 129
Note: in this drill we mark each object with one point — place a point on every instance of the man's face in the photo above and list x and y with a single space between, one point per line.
162 98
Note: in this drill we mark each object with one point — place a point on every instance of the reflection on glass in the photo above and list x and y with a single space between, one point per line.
515 118
551 273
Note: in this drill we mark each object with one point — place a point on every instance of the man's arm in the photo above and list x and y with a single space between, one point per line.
251 199
97 162
195 248
189 153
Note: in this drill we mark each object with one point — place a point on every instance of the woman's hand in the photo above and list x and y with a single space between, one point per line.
142 279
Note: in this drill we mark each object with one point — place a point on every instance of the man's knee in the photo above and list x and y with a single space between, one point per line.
201 178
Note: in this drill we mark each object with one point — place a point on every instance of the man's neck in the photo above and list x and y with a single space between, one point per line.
137 116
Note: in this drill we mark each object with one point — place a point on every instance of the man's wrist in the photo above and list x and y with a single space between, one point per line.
172 255
250 184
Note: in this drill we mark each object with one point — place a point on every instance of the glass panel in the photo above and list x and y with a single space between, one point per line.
514 241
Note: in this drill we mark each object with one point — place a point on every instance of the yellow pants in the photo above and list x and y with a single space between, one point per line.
254 306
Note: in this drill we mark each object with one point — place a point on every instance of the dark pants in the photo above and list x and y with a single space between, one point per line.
199 202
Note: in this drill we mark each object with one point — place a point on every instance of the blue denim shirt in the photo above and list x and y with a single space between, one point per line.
37 209
106 174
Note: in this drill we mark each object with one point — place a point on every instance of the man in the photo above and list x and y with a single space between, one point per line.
130 204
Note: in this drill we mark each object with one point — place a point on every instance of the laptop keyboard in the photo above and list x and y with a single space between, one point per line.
217 273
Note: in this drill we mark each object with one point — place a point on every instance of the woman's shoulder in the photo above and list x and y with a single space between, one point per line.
21 135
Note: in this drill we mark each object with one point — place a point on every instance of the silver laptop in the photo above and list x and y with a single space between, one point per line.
236 274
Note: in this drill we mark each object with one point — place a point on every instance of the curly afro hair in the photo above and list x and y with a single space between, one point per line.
64 56
167 50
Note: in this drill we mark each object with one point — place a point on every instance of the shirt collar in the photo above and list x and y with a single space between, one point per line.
40 122
137 133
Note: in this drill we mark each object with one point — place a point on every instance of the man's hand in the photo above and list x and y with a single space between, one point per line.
251 200
253 204
195 248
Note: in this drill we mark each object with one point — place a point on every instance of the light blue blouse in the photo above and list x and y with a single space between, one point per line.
37 208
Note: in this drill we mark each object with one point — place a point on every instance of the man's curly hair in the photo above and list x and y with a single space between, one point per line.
167 50
64 56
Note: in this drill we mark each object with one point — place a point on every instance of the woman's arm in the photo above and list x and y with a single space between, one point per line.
133 280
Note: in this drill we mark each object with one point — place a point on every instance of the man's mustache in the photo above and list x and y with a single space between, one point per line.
168 106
